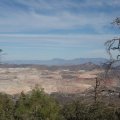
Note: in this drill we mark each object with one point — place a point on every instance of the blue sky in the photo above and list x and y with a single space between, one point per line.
46 29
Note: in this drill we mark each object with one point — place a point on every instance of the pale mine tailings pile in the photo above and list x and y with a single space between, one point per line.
16 80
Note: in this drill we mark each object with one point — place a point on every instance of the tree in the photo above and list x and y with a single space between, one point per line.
114 45
6 107
1 55
95 111
36 106
111 70
113 50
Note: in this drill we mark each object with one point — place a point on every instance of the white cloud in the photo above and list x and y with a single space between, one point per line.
56 40
33 19
73 45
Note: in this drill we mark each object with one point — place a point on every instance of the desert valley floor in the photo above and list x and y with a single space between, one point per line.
16 80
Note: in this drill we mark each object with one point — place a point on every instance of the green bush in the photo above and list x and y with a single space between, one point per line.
6 107
74 111
39 106
36 106
95 111
100 111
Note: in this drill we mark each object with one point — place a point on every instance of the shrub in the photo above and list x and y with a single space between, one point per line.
36 106
95 111
6 107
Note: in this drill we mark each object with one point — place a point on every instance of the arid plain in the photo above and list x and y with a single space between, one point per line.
16 80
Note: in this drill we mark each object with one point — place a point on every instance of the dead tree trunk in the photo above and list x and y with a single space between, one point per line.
97 84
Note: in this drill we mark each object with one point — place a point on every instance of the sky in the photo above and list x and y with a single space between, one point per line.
47 29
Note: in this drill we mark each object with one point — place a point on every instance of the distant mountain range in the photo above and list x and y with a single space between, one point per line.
58 61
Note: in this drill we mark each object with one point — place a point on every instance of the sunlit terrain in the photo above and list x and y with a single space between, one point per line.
16 80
